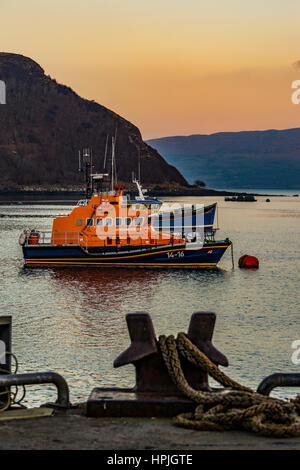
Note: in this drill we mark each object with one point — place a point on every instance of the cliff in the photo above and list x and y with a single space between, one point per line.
43 125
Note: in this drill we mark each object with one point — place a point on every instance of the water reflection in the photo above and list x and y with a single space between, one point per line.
73 320
96 299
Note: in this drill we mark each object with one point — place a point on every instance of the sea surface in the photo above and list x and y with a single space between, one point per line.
72 321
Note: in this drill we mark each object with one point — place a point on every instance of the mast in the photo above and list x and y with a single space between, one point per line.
93 181
86 165
112 162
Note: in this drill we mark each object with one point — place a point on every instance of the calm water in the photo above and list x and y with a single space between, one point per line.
73 321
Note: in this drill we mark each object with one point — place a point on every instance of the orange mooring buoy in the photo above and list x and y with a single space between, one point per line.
247 261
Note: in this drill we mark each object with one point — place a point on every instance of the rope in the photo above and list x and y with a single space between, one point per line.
232 256
11 396
236 407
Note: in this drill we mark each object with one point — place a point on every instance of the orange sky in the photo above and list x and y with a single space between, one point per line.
171 67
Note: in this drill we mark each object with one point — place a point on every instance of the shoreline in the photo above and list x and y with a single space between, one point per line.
68 197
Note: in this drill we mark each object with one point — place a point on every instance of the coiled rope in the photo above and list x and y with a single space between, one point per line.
7 396
238 407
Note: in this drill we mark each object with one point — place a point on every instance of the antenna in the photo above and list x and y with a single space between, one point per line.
139 173
105 153
91 163
115 164
112 162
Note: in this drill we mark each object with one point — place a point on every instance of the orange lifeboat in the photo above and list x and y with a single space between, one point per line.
109 229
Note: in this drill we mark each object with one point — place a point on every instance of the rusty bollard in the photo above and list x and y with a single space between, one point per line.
154 393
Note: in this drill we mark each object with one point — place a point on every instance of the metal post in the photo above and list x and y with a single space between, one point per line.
155 394
40 378
278 380
5 342
5 348
172 222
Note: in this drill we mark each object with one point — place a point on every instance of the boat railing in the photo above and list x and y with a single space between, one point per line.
82 202
209 234
56 238
36 238
80 238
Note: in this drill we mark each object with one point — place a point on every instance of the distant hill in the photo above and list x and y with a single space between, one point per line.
44 124
257 159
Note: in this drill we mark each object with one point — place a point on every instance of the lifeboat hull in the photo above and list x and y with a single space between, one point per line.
166 256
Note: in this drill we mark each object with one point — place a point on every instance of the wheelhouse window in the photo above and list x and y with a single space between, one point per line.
89 222
138 221
108 221
128 221
118 221
99 222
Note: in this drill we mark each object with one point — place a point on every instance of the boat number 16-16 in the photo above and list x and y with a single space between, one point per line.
178 254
